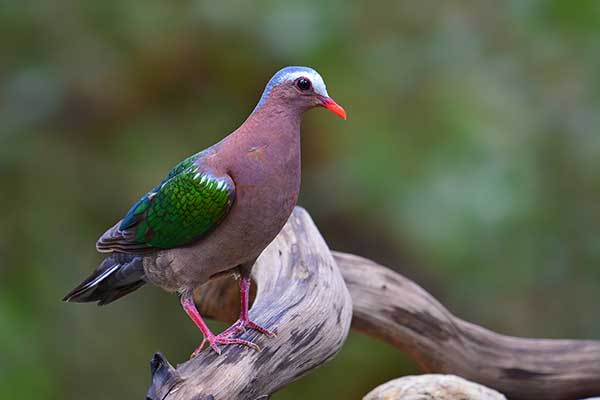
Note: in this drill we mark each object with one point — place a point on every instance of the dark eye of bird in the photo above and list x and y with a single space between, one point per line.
303 84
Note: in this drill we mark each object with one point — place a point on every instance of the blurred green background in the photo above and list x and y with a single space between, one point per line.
469 162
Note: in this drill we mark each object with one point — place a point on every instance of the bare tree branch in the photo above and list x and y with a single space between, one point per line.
398 311
302 296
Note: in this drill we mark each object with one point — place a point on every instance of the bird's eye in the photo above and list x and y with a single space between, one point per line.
303 84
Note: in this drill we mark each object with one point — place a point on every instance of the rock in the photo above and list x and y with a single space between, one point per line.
432 387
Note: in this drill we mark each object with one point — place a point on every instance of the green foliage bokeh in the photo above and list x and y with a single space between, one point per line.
469 162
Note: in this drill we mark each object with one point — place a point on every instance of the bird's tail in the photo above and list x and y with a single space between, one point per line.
118 275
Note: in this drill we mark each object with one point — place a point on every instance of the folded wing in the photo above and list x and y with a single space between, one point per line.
188 204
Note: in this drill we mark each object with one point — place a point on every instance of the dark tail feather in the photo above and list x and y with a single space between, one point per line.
118 275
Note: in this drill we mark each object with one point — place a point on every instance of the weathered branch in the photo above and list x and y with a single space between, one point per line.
301 295
398 311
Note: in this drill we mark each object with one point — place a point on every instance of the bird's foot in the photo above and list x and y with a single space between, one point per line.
215 340
242 324
226 336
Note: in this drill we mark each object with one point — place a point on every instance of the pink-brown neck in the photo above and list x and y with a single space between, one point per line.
278 114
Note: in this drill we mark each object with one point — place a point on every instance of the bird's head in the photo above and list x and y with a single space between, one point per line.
302 88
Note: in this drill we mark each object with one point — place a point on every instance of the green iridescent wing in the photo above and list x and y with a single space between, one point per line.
136 212
186 205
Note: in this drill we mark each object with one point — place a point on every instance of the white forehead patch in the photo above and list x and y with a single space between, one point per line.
301 72
290 74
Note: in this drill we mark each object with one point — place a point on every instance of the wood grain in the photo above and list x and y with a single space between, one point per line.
302 296
392 308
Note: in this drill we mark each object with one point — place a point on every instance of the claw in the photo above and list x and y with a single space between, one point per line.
199 349
256 327
241 325
225 338
214 341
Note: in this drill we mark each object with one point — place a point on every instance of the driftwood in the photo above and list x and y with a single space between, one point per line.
302 296
432 387
398 311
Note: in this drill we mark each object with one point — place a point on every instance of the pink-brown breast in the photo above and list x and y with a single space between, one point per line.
266 173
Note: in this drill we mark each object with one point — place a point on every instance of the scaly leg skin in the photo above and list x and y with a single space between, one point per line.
187 302
244 321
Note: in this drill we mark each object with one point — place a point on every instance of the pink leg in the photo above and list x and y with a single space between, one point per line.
244 321
187 302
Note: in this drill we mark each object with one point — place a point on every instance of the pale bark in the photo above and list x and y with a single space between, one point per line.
303 296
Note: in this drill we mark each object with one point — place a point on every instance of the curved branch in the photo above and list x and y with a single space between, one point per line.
387 306
301 295
398 311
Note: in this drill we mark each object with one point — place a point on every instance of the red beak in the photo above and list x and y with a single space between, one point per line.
332 106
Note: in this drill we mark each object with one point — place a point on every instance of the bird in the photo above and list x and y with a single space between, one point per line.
228 201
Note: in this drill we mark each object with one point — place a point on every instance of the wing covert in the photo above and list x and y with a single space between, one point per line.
183 208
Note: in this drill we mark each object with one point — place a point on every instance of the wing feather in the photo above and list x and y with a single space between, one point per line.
184 207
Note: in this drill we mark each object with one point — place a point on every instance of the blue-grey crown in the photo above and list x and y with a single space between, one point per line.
292 73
